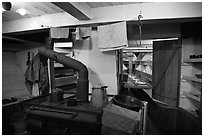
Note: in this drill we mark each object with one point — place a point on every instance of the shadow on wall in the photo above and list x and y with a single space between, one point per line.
79 44
94 78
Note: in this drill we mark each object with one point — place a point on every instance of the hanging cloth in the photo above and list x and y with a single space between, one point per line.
83 32
37 73
112 37
59 32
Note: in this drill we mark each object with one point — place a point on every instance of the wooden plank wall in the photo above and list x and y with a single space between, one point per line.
12 76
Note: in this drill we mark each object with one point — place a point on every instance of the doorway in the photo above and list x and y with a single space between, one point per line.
153 69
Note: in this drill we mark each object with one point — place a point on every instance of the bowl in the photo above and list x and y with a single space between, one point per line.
128 102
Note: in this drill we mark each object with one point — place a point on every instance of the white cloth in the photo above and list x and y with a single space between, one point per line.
59 32
83 32
112 37
35 89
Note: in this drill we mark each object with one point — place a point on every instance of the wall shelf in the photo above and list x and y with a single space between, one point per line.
192 79
192 60
189 95
131 85
138 49
62 81
139 62
196 93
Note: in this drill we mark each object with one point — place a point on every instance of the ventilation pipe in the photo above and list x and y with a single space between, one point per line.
82 81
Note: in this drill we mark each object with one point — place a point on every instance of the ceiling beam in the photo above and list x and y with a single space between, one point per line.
181 10
79 10
23 41
14 47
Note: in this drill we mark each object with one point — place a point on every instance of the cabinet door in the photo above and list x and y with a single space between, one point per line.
166 71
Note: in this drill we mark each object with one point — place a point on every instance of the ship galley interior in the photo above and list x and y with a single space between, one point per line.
101 68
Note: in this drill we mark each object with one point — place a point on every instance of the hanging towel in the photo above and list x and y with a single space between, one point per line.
112 37
35 89
83 32
37 73
59 32
77 36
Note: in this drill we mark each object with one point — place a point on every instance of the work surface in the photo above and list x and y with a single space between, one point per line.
81 118
83 111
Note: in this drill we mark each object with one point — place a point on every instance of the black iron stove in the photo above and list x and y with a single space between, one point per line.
69 116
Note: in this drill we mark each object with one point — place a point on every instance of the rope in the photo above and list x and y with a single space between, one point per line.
140 27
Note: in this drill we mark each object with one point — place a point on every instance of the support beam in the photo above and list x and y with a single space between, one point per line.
79 10
17 47
12 47
23 41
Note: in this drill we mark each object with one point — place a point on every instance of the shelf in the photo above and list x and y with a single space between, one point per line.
135 86
146 76
196 93
138 49
192 79
62 81
189 95
192 60
138 62
143 62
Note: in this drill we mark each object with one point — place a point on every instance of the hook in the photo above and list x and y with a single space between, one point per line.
140 27
139 18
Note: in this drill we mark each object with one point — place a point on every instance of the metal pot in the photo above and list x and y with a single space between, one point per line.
128 102
56 95
99 96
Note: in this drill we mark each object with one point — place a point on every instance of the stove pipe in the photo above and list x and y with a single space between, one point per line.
82 81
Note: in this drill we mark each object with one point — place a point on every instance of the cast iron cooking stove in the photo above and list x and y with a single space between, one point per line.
67 111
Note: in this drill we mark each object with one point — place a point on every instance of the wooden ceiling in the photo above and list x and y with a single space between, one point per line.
20 41
17 41
106 4
43 8
34 9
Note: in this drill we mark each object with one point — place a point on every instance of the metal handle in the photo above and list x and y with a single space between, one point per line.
74 114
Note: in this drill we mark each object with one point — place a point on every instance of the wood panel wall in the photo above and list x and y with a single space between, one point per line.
12 76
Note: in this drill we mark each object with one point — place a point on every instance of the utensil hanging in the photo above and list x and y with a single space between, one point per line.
140 27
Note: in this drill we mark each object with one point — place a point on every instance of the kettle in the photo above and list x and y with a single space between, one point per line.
56 95
99 96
